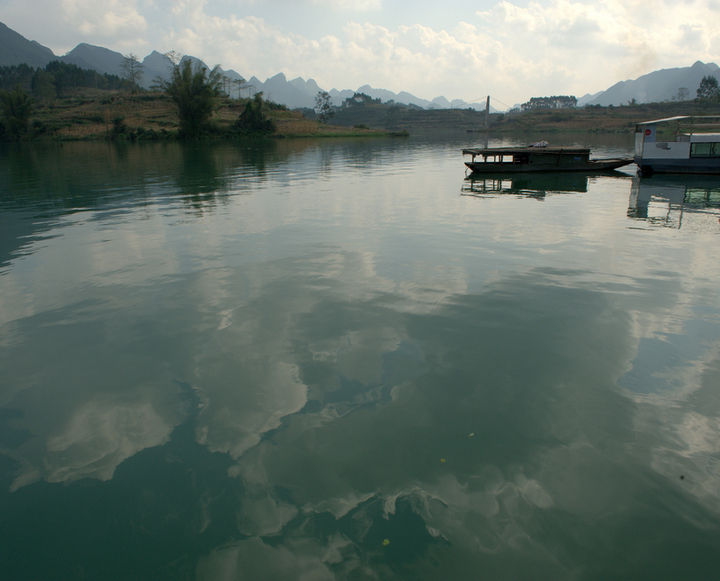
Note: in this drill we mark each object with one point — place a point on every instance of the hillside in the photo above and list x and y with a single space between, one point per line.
599 119
296 93
655 87
92 115
16 49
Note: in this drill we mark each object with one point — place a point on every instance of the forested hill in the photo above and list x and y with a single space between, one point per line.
56 79
15 49
678 84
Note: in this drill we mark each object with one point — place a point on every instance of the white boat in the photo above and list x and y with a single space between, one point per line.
686 201
694 150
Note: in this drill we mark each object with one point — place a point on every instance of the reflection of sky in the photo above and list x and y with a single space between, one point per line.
377 357
669 364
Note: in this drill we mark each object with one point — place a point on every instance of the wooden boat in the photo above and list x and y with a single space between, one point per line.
524 184
694 150
537 158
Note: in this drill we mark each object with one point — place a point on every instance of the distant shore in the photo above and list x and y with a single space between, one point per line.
104 115
145 116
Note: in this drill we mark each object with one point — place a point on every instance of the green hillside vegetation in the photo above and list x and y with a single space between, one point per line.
57 79
64 102
93 114
600 119
361 110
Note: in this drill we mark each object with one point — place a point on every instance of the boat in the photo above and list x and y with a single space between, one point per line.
534 185
538 157
694 150
676 201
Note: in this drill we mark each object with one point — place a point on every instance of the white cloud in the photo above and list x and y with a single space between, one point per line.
116 24
349 5
509 50
512 52
594 45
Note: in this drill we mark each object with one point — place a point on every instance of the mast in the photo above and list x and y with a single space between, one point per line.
487 112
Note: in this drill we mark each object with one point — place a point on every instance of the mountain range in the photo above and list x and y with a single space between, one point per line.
662 85
655 87
16 49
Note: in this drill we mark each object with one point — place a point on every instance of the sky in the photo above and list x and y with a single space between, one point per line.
511 50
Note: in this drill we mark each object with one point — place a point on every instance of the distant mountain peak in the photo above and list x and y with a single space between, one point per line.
657 86
15 49
654 87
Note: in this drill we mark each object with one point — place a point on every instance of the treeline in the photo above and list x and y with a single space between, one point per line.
554 102
195 92
364 112
57 79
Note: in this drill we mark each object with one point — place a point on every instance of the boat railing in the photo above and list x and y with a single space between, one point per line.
698 124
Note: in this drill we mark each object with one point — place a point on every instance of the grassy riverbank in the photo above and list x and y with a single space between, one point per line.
94 115
598 119
594 119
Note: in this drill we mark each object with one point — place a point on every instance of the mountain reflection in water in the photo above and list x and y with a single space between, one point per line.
316 360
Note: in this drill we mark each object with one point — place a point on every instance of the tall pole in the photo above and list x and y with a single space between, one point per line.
487 113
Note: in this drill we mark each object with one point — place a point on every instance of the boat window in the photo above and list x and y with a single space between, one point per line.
705 150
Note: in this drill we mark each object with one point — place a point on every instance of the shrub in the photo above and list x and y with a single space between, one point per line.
252 120
196 95
15 108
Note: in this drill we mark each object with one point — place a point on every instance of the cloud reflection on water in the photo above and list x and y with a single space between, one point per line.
460 378
334 397
356 395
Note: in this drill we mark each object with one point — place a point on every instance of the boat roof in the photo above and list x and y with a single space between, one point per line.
679 118
571 150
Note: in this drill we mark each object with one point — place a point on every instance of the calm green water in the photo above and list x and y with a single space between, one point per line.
343 360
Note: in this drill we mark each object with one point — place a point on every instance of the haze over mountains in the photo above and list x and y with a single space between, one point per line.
655 87
662 85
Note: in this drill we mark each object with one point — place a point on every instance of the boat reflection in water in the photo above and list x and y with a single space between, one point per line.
525 185
676 201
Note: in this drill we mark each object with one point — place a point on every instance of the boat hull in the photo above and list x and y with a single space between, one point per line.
484 167
695 149
697 166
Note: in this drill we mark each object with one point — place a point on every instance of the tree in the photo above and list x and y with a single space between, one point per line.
252 120
159 83
683 94
174 57
323 106
708 88
66 76
241 84
14 75
195 92
359 99
15 108
132 69
554 102
43 85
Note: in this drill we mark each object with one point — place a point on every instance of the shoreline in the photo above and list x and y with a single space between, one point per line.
95 115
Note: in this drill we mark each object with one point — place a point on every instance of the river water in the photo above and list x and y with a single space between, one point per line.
340 359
